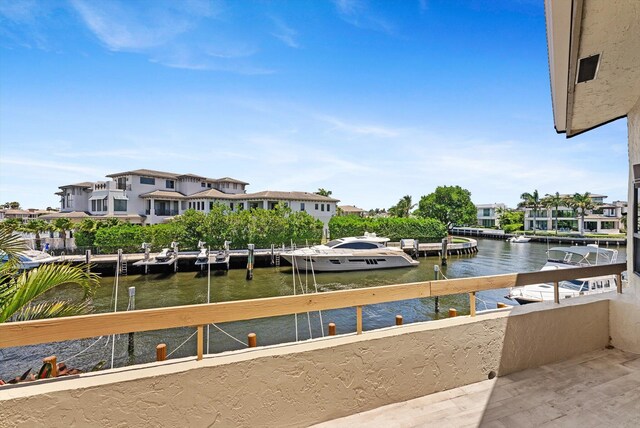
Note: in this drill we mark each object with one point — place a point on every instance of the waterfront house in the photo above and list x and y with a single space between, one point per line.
603 218
145 196
589 346
352 210
489 214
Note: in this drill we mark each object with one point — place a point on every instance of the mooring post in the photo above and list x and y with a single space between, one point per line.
131 307
398 319
175 250
161 352
87 259
445 241
273 258
250 248
436 274
53 360
453 312
252 340
332 329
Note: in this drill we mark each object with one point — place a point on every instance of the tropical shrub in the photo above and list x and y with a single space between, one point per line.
394 228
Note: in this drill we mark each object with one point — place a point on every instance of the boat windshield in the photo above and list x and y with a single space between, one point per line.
334 243
576 285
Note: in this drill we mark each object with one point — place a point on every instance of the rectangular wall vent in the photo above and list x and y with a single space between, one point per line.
588 68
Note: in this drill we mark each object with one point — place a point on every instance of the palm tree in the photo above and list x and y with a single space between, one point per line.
582 203
36 226
18 290
554 201
531 200
62 225
403 207
324 192
11 224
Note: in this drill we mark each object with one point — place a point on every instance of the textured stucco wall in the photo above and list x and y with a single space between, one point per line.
625 310
298 385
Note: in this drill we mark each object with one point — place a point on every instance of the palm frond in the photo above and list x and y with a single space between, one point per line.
11 245
32 284
51 309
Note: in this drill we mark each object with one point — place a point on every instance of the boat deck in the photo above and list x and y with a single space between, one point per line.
600 388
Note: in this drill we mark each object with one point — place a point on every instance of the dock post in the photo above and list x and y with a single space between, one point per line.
175 249
398 319
161 352
273 258
131 307
445 241
416 242
453 312
332 329
250 248
87 259
436 275
252 340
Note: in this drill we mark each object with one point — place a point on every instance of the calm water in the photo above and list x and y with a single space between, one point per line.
183 288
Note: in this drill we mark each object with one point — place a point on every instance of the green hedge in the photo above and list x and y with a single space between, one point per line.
257 226
394 228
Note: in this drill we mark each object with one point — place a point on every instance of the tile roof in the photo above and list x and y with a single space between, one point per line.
146 173
84 184
231 180
296 196
163 194
351 209
213 193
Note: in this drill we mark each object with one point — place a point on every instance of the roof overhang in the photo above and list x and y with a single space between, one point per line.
577 29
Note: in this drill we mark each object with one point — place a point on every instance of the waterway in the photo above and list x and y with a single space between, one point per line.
184 288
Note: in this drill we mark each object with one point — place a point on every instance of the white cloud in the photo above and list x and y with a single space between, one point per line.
360 129
285 34
359 14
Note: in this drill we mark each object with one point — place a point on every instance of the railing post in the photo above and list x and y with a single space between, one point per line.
556 292
472 303
200 341
358 319
619 283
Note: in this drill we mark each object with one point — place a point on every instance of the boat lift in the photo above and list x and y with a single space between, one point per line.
167 257
218 260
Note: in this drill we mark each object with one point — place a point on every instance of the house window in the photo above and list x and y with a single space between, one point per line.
321 207
240 206
93 205
316 207
170 184
147 180
231 206
235 185
301 206
120 205
203 184
209 185
486 212
210 205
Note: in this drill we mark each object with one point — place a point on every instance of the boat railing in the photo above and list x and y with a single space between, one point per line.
25 333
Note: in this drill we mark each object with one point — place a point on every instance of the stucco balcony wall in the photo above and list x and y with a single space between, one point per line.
306 383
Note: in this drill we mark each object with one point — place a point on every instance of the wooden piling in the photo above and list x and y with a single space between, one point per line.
358 319
252 340
54 365
332 329
161 352
619 283
398 319
556 292
200 342
250 249
453 312
445 241
472 304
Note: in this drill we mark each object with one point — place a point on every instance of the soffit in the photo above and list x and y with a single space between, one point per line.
611 29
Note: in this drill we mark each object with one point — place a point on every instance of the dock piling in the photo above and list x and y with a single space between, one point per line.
250 248
332 329
161 352
436 275
445 241
131 307
87 259
453 312
398 319
252 340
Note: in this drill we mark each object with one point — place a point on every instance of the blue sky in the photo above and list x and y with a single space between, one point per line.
370 99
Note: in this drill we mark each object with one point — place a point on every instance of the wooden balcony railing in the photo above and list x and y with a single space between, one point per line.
86 326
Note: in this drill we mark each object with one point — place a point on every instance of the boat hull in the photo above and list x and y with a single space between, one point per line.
348 263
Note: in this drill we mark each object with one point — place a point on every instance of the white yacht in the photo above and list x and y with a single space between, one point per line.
519 239
353 253
30 259
570 257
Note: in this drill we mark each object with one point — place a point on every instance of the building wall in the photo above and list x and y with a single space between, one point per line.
625 310
315 381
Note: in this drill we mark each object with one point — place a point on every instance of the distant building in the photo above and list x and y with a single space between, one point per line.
352 210
488 214
24 215
146 196
604 218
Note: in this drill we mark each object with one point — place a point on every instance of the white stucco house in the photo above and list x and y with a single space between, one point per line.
489 214
147 196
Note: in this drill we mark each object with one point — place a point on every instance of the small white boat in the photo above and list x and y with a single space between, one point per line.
519 239
570 257
30 259
350 254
